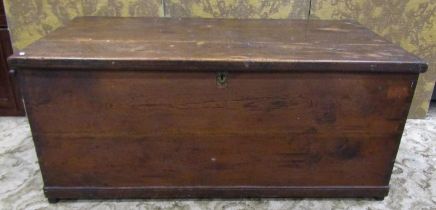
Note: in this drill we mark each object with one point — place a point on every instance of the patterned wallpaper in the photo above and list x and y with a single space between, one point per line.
297 9
29 20
410 23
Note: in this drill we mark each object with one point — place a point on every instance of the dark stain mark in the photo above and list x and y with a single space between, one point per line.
250 105
296 163
328 114
311 130
367 107
346 149
310 104
265 105
314 158
292 155
278 104
218 166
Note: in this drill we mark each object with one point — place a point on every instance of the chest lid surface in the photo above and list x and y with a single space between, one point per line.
215 44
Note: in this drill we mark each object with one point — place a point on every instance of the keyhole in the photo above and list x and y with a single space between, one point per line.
221 79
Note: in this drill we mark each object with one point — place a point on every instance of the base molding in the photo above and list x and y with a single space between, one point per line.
169 192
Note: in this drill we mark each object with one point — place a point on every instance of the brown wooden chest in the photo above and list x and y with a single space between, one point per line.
191 108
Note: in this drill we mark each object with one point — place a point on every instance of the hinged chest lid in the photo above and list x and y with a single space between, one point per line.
215 44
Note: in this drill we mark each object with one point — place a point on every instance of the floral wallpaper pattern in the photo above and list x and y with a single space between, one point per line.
238 8
409 23
29 20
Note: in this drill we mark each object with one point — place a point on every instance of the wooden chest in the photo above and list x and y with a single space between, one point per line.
191 108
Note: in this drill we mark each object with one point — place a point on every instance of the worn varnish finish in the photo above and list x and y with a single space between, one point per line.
202 44
160 108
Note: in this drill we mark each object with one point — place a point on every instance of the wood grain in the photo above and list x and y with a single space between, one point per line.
167 44
156 129
274 108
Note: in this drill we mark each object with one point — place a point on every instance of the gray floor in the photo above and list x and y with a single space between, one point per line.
413 183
